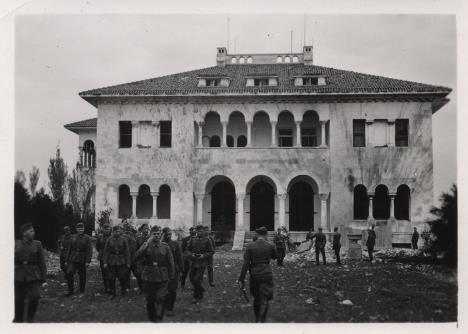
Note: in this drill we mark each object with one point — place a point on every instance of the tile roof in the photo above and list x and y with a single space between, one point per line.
87 123
337 82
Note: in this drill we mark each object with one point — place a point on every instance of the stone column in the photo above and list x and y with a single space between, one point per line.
200 134
392 206
282 209
81 155
155 195
323 140
368 127
273 133
323 211
391 132
199 197
135 133
155 133
371 208
223 142
249 133
240 211
298 134
134 200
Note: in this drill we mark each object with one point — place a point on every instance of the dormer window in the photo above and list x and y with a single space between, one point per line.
213 82
309 81
260 82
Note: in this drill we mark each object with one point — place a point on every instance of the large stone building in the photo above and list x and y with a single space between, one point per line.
265 139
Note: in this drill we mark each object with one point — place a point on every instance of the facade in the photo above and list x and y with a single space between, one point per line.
265 140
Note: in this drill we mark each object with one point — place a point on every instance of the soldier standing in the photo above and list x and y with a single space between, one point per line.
64 244
337 244
128 234
173 284
78 258
209 266
185 242
30 273
370 243
280 244
257 258
415 238
320 241
143 235
158 270
100 243
116 258
199 249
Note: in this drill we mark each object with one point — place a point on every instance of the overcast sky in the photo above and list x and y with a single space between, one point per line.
57 56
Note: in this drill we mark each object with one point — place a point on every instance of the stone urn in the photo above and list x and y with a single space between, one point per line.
354 249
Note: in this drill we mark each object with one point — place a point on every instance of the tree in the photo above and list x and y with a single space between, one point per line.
45 218
444 227
20 177
57 177
22 207
81 187
33 180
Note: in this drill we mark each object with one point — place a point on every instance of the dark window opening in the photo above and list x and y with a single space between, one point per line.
262 206
125 202
359 133
261 82
309 137
361 202
213 82
381 203
401 132
285 137
164 202
125 130
402 203
309 81
165 133
223 207
215 141
230 141
242 141
144 204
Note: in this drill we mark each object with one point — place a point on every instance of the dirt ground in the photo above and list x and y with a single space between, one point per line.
356 291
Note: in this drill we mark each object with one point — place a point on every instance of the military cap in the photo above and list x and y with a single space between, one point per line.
261 230
80 225
166 229
116 228
199 228
155 228
192 229
142 226
25 227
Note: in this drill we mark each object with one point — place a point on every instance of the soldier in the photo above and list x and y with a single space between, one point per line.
78 258
337 244
64 244
158 270
320 241
257 258
185 242
116 258
142 236
179 267
209 266
199 249
415 238
370 243
280 244
101 239
128 234
30 273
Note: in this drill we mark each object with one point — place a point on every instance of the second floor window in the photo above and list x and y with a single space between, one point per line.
285 137
309 137
359 133
165 134
125 132
401 132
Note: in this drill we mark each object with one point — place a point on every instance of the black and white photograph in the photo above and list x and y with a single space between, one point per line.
233 167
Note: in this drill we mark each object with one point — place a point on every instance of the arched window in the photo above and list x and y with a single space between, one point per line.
233 60
381 203
215 141
361 202
230 141
279 59
164 202
249 60
402 203
295 59
89 154
242 141
286 127
310 127
242 60
125 202
144 204
287 60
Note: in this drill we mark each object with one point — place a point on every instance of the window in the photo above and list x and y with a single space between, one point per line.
401 132
125 130
285 137
402 203
361 202
233 60
279 59
144 202
381 203
89 154
164 202
230 141
295 59
309 137
215 141
241 141
359 132
165 133
259 82
125 202
213 82
309 81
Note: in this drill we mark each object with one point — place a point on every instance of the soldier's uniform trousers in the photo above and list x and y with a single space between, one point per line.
281 253
117 272
26 290
186 271
172 286
337 253
155 294
63 266
318 251
72 268
196 278
209 268
262 291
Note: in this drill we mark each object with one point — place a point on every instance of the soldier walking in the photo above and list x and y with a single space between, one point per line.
209 266
337 244
131 240
280 243
78 258
320 241
142 236
30 273
102 237
370 243
199 249
173 284
257 258
185 242
415 238
116 258
158 270
64 244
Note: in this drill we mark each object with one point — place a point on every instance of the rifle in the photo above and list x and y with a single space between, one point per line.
243 292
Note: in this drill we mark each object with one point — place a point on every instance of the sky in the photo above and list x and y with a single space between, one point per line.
57 56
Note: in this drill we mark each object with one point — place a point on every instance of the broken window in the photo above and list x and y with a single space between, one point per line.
359 133
125 131
165 133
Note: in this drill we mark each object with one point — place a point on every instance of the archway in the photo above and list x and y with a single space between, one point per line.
144 204
125 202
223 207
301 207
262 206
402 202
381 202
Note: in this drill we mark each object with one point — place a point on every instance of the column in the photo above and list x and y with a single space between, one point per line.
391 133
81 155
392 206
282 210
240 211
273 133
223 142
323 211
298 134
135 134
249 133
371 208
368 128
155 195
155 134
323 140
199 197
200 134
134 200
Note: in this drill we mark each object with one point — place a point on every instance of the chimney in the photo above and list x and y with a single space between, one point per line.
221 56
308 55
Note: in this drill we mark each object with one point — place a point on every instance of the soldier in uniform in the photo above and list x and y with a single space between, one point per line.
101 239
209 266
131 240
30 273
280 243
257 258
337 244
179 267
320 241
64 244
78 258
158 270
370 243
199 249
142 236
116 258
185 242
415 238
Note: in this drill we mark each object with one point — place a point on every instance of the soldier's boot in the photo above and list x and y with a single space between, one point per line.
210 277
256 307
32 308
112 289
70 287
151 311
263 312
19 310
159 312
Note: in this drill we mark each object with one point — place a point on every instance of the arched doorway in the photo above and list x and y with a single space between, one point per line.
223 207
262 206
301 207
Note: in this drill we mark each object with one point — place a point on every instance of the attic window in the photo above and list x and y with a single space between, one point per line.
260 82
213 82
309 81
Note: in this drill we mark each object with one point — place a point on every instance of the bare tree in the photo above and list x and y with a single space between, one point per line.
33 180
80 188
57 177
